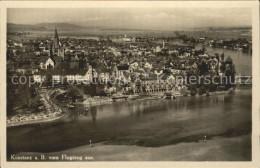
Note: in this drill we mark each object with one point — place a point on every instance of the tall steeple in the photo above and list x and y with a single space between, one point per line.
56 39
56 34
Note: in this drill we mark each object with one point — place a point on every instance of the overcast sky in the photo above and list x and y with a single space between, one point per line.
140 18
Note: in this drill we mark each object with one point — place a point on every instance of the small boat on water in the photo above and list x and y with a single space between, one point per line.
132 97
119 97
169 96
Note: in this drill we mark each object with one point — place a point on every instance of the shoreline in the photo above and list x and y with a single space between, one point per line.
53 110
108 100
192 151
36 121
159 95
232 141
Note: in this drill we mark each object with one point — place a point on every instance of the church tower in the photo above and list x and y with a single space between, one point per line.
58 49
56 40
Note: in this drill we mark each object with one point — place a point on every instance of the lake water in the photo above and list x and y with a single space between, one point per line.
243 61
153 123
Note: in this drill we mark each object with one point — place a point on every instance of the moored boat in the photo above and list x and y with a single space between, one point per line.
119 97
169 96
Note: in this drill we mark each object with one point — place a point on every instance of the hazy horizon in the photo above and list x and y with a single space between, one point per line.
140 18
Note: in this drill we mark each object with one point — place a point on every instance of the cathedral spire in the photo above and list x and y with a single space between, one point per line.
56 39
56 34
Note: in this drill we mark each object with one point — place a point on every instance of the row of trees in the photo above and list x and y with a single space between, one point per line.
21 96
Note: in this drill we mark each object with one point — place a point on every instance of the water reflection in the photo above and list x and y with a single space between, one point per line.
93 112
137 121
141 109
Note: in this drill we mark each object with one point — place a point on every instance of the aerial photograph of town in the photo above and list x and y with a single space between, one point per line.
125 84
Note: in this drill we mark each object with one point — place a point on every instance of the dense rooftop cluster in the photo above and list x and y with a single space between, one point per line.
132 59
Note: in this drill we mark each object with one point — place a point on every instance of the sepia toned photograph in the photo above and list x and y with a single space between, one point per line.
129 84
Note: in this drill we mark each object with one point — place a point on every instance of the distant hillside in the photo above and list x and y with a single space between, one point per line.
43 27
231 28
60 26
23 27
